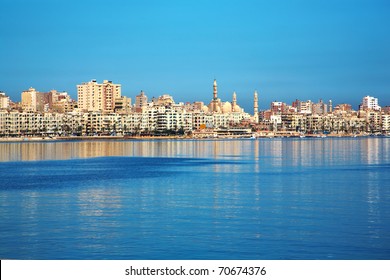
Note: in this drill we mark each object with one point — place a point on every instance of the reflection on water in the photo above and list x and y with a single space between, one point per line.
306 152
373 201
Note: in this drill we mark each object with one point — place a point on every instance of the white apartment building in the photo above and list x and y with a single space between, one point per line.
356 124
25 123
374 121
305 107
386 123
221 120
314 123
137 122
202 120
298 122
3 122
237 117
276 121
169 119
370 103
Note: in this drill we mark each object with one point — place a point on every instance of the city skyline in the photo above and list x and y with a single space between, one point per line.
101 110
287 50
233 96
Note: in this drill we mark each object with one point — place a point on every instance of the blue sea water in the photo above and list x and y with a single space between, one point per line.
184 199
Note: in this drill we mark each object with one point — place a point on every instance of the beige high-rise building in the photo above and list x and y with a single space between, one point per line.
30 100
4 100
141 101
123 104
60 102
98 97
35 101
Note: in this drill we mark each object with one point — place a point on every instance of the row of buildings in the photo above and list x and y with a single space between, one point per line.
102 110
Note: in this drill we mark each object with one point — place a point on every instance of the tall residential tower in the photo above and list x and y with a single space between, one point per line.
98 97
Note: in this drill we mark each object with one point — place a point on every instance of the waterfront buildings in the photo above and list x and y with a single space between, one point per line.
217 106
4 101
255 107
141 102
32 100
52 101
370 103
102 110
61 102
386 123
305 107
98 97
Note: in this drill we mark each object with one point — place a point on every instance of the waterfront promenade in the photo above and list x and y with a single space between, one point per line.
178 137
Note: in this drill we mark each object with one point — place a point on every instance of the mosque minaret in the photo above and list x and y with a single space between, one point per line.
256 107
215 97
234 102
215 88
217 106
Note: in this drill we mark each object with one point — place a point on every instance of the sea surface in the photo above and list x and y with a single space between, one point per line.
196 199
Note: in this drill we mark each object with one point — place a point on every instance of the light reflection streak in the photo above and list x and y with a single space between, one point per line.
373 200
300 152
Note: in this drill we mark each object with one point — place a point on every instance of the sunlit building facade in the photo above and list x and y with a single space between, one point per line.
93 96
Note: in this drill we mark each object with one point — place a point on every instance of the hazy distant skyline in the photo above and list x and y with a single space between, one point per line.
337 50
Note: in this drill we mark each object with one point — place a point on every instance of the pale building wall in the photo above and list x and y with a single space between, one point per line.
386 123
29 100
98 97
4 101
370 102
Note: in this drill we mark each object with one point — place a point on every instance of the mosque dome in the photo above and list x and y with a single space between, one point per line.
237 109
226 107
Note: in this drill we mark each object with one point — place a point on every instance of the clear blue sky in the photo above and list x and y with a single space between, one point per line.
285 49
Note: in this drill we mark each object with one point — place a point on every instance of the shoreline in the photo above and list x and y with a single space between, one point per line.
119 138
